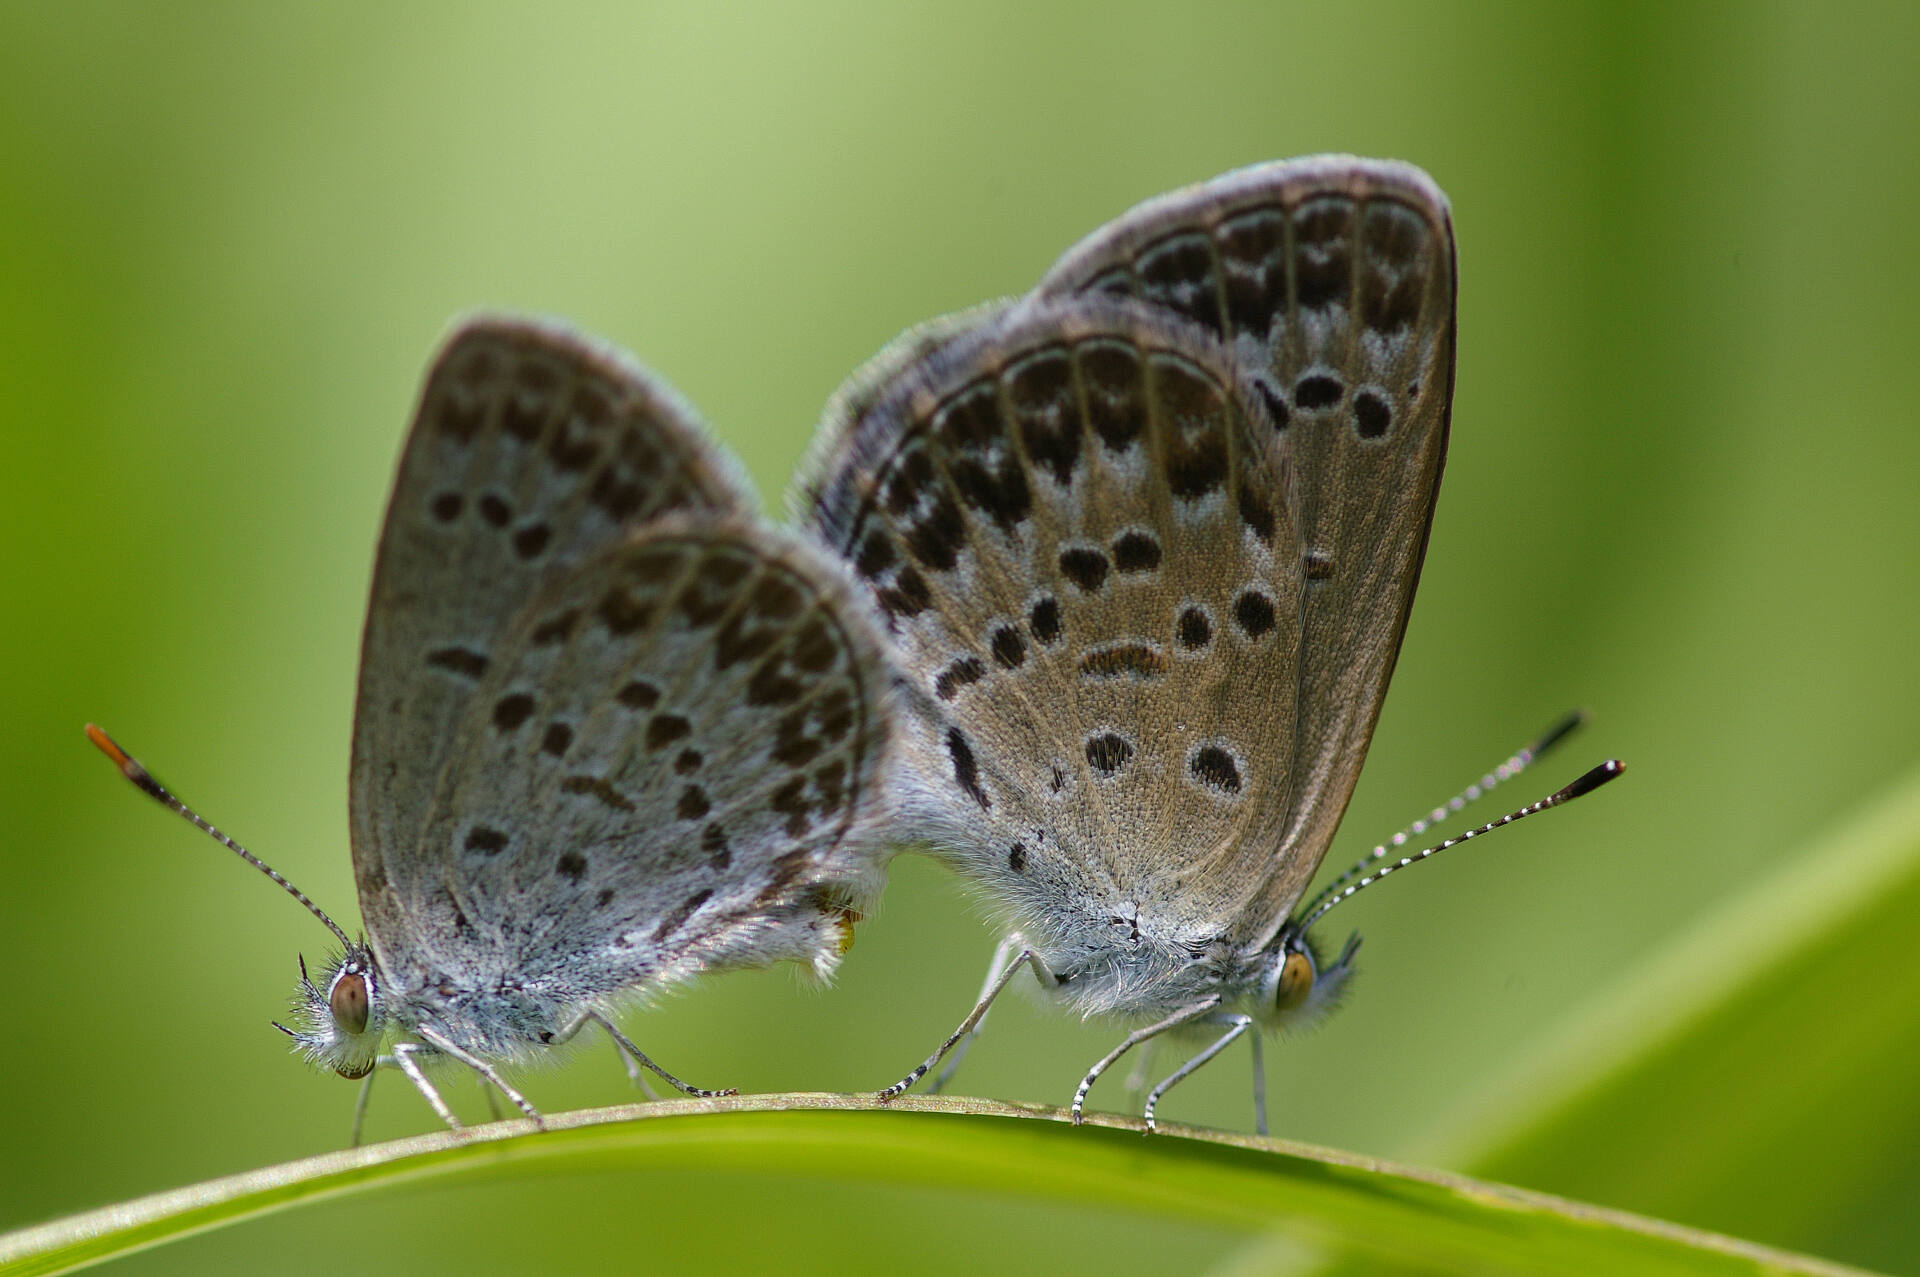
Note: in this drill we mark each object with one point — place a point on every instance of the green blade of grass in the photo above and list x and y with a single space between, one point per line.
1315 1197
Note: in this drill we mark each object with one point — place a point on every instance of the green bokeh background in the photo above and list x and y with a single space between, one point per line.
1684 490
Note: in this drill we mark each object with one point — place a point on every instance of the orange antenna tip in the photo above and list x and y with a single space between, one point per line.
129 766
105 744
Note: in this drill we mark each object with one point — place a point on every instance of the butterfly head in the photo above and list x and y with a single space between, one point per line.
1299 985
338 1020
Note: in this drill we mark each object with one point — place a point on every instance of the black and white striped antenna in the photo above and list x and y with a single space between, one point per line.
143 779
1368 871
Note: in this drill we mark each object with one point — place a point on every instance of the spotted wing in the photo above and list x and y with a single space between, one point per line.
1331 280
666 767
1093 586
532 449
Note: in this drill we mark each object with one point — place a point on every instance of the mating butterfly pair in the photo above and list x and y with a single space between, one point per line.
1096 595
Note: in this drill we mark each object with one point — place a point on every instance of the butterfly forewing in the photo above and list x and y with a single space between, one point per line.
1084 555
531 450
1331 280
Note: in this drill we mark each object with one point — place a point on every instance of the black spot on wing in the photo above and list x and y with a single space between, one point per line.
1126 658
639 694
1044 621
666 729
1108 752
713 841
555 629
529 541
964 671
1317 391
599 788
1046 415
1371 415
1193 629
1008 648
509 712
1136 551
1086 568
681 912
487 842
966 771
1215 768
693 804
1253 612
463 661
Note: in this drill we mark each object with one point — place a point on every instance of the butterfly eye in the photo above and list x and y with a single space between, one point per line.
1295 983
348 1002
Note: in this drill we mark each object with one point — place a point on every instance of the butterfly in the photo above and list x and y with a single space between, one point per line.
1145 542
613 729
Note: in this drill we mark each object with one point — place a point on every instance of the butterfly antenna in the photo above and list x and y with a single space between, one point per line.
1517 762
1586 784
130 768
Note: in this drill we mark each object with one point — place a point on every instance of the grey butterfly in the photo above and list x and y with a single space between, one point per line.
1145 542
613 730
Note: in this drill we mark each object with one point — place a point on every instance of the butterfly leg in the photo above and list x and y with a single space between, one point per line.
635 1057
447 1047
1136 1083
635 1074
1259 1086
366 1089
1240 1024
627 1062
1134 1039
1003 956
997 982
403 1053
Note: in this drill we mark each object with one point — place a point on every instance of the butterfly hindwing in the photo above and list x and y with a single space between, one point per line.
666 770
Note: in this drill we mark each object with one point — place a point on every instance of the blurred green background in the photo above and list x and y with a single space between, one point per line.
1684 490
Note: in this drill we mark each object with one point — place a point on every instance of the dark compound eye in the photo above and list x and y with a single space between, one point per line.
348 1002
